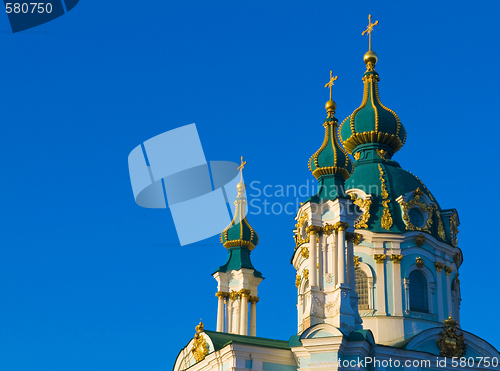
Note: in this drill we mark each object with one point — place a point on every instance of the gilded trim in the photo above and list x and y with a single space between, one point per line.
386 220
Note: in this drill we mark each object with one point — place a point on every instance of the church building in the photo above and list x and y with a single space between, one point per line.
376 259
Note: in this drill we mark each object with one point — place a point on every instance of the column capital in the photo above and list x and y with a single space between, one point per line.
379 258
396 258
328 229
244 293
221 294
439 266
341 226
253 299
313 229
448 270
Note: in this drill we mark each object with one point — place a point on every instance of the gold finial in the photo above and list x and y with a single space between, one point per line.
330 83
369 30
330 105
200 327
241 186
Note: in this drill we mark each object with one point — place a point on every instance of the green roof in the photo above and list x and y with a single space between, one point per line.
238 257
222 339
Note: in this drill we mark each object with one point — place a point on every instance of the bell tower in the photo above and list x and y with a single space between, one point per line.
238 279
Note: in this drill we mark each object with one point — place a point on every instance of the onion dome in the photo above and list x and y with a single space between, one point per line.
239 232
372 122
331 158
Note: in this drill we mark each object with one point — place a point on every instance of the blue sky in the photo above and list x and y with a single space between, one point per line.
89 280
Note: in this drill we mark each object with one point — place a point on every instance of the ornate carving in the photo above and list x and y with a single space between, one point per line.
313 229
356 261
305 274
454 229
386 221
328 229
299 237
420 262
357 238
304 251
415 202
382 153
364 205
328 278
298 279
450 343
356 156
200 346
419 240
396 259
448 270
233 295
439 266
441 231
379 258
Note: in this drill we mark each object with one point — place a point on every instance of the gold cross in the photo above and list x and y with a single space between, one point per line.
330 83
242 164
369 29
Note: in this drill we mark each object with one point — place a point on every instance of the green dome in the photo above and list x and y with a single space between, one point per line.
239 232
331 158
372 122
387 182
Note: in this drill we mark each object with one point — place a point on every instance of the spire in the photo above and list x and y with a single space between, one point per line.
331 161
372 122
239 232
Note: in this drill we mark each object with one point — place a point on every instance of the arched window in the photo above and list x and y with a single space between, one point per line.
362 289
419 300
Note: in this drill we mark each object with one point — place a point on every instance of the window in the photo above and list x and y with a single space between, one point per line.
362 289
418 292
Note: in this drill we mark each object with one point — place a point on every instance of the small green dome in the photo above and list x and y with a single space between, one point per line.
239 232
331 158
372 122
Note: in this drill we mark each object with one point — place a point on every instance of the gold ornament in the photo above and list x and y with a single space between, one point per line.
200 346
439 266
357 155
379 258
356 261
386 221
420 262
364 205
415 202
297 280
305 273
369 31
450 343
396 259
448 270
419 240
382 153
298 236
304 251
441 231
454 229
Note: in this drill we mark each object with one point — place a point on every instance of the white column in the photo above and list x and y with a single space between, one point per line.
380 259
312 259
341 255
220 311
351 280
226 312
439 282
321 260
253 315
323 250
244 312
406 282
397 285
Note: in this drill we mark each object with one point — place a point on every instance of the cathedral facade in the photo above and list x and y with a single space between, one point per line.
376 260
